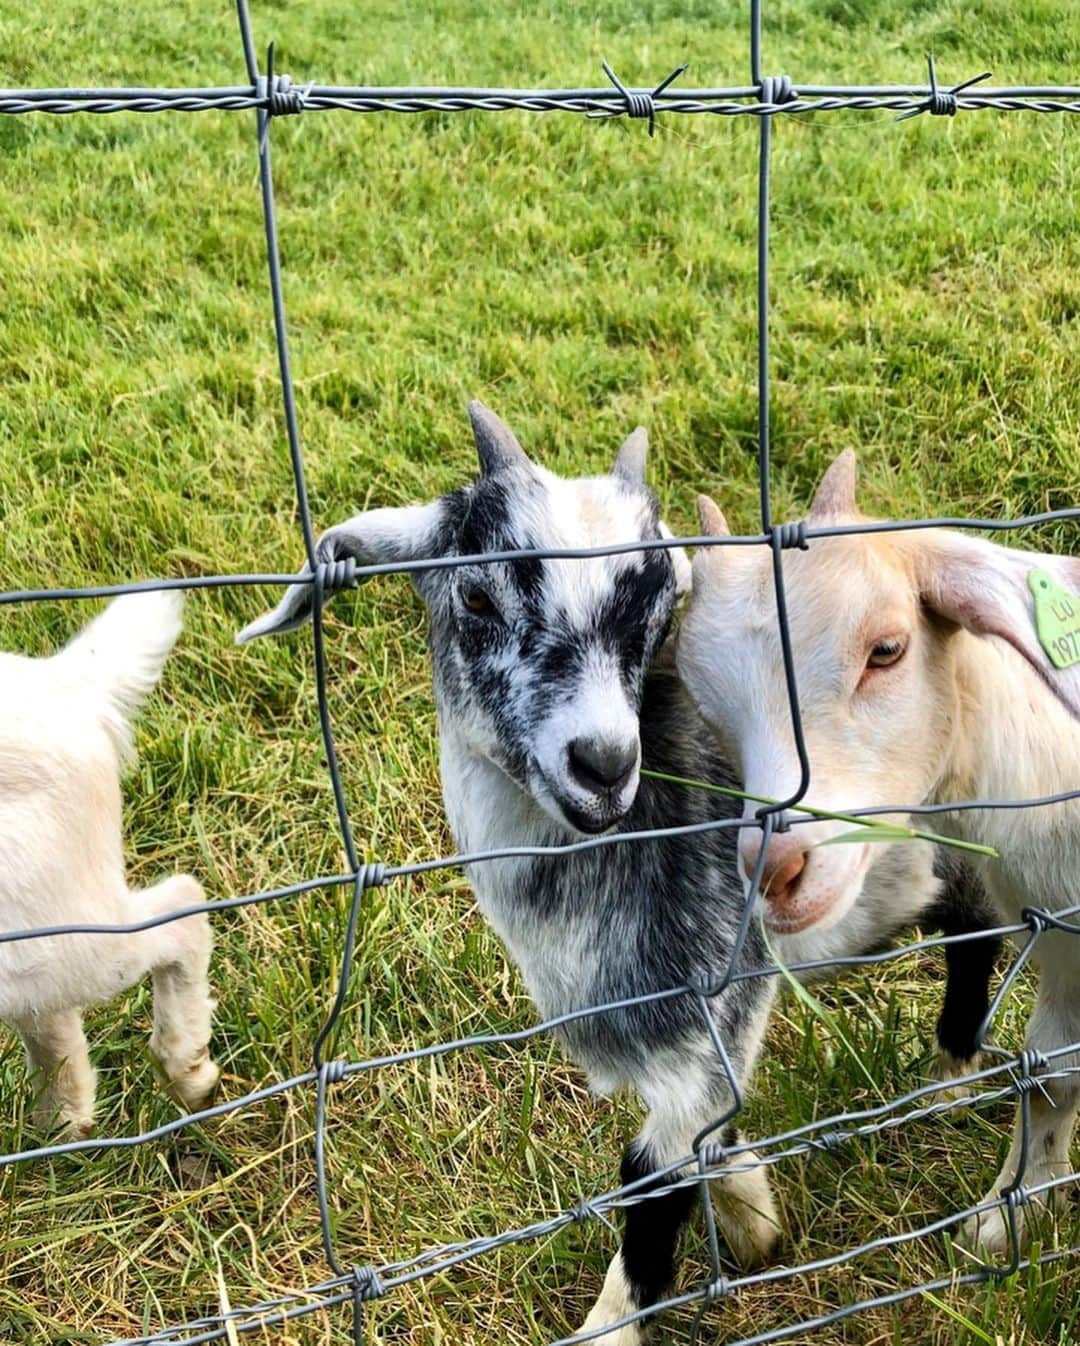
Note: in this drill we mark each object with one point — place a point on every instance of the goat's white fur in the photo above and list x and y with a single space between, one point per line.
972 710
65 732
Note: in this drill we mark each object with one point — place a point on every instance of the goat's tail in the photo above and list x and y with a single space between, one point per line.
119 656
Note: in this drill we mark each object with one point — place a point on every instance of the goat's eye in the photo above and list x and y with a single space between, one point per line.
886 652
477 600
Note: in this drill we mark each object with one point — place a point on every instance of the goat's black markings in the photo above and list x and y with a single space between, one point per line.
963 907
652 1230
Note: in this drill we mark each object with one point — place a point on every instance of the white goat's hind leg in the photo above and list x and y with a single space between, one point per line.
1055 1023
1048 1158
64 1078
179 958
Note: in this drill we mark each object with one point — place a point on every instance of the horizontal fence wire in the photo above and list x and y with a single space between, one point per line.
285 98
270 95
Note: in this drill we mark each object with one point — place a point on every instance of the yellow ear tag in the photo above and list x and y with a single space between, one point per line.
1057 619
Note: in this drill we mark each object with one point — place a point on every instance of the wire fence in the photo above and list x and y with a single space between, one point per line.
269 95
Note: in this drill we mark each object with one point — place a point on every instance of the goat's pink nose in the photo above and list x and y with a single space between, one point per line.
780 874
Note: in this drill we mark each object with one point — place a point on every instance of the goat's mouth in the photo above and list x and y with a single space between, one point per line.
586 815
590 824
821 897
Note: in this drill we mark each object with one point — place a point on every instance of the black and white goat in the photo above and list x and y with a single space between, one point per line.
547 710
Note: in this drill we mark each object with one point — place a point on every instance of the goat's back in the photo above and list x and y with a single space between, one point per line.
65 728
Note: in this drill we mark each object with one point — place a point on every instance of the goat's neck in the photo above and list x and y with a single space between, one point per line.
1013 739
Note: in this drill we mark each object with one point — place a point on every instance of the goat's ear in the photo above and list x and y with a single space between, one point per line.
1030 599
835 495
496 443
684 575
378 537
630 460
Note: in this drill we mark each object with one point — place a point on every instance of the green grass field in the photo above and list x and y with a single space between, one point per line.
580 278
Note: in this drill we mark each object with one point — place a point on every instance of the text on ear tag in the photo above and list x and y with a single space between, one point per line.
1057 618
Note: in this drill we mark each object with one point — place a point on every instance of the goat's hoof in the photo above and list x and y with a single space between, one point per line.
194 1083
748 1216
756 1244
948 1069
196 1086
630 1334
615 1301
64 1121
987 1234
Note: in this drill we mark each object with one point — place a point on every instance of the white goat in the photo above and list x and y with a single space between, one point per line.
921 678
65 732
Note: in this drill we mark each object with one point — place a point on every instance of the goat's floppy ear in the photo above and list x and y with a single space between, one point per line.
1030 599
380 536
835 495
496 443
630 460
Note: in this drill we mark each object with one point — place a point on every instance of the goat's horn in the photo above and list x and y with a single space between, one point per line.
496 443
835 494
630 460
713 523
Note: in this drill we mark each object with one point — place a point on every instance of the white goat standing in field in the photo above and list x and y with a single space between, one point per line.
65 733
921 678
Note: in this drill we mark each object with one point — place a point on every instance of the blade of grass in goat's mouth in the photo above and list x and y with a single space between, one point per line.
867 828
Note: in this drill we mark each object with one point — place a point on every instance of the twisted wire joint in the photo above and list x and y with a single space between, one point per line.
777 90
1037 921
788 535
637 103
830 1140
372 875
366 1284
941 102
332 1072
334 575
717 1289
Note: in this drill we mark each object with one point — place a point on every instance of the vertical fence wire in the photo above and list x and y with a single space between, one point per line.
1017 1076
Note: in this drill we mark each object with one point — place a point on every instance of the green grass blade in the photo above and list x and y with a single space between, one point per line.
817 1009
888 831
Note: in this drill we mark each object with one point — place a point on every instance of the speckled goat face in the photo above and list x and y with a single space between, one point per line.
539 664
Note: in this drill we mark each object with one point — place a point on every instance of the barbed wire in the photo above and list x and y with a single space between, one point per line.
272 95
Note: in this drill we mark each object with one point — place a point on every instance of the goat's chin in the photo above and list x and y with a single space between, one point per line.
582 818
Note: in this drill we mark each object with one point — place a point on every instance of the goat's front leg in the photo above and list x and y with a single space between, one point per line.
178 955
962 908
64 1078
644 1267
1054 1106
641 1273
969 967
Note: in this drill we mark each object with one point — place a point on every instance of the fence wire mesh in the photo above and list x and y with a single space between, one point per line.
1013 1075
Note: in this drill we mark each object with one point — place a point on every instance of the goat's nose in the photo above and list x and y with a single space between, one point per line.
599 765
780 874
